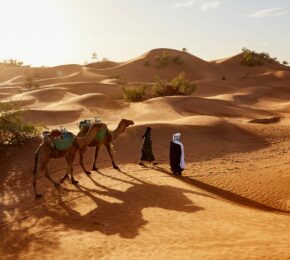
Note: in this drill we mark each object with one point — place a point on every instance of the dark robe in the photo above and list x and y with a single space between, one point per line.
147 154
175 157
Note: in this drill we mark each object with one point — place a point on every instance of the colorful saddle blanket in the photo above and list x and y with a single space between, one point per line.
100 135
59 140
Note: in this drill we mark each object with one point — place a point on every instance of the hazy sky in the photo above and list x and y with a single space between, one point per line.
52 32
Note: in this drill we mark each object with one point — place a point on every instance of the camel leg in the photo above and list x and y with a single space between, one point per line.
35 173
37 168
108 146
61 180
49 177
82 151
70 161
73 181
95 158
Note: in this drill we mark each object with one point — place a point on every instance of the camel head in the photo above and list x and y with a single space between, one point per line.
125 123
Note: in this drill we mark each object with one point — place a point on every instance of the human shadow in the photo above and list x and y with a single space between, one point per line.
227 195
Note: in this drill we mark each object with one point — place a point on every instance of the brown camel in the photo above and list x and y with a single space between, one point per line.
45 152
104 137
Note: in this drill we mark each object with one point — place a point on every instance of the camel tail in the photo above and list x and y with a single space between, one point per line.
35 162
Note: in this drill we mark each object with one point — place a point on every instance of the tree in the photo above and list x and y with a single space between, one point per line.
184 49
285 63
95 56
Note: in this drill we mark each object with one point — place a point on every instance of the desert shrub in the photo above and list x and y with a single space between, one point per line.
30 82
120 79
163 59
179 85
146 63
13 128
265 55
11 63
252 58
184 86
177 60
161 87
134 94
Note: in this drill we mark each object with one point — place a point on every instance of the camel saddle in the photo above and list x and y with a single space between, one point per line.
85 124
100 135
59 140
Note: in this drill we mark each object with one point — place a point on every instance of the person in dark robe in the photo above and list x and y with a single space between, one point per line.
147 154
176 155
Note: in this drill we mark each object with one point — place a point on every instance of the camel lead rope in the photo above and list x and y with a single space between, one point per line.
137 138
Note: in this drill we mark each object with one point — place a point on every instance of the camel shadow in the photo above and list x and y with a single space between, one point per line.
124 217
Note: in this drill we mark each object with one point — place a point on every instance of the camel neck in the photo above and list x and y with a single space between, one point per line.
119 130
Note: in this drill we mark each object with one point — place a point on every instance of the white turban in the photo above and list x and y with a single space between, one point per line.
176 137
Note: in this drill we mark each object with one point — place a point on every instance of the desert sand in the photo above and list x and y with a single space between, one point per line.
232 202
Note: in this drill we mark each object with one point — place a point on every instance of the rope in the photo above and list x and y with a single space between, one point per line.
137 138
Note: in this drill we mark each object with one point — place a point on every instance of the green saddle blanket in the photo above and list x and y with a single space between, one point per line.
100 136
64 142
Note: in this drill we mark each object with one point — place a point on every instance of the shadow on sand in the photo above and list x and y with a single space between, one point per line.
113 212
227 195
125 216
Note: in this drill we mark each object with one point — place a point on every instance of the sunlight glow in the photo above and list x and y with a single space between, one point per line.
54 32
35 31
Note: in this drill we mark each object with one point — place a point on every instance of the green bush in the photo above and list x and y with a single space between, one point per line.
146 63
13 128
162 60
177 60
120 79
252 58
177 86
134 94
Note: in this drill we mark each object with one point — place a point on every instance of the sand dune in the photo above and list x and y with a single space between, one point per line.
90 100
174 107
53 117
232 201
44 95
137 70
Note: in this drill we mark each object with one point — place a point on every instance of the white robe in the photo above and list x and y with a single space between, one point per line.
182 161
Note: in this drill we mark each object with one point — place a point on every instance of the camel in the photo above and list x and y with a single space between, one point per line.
105 137
45 152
